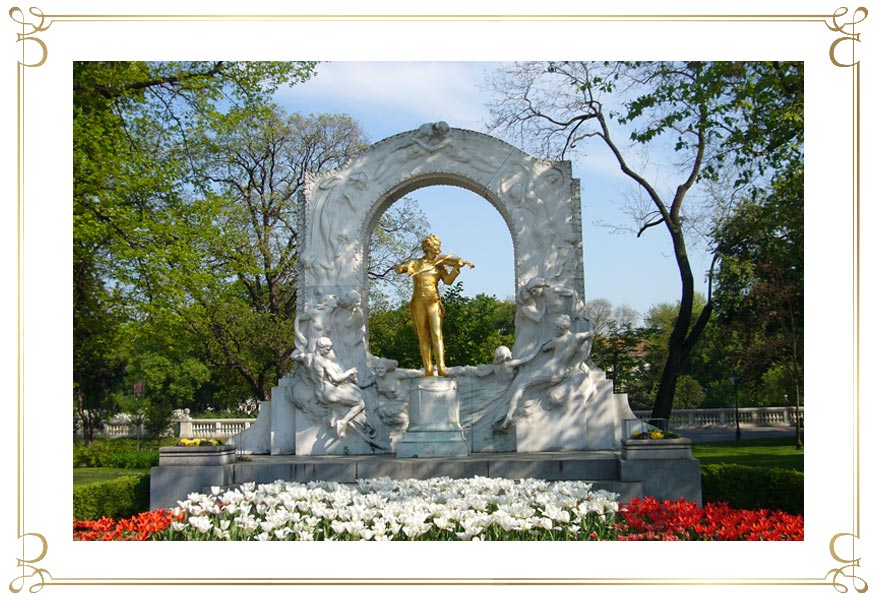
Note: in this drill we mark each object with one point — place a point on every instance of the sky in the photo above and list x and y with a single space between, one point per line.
387 98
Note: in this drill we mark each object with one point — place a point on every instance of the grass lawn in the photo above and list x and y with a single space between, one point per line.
89 475
776 452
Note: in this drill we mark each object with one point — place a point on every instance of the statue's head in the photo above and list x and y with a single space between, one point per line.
536 285
561 324
431 244
351 298
383 366
440 128
502 354
324 345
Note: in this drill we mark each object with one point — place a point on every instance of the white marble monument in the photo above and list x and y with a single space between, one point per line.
540 395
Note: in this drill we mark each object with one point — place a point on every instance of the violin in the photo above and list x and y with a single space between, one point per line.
452 261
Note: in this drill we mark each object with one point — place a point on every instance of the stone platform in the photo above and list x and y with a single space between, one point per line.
659 477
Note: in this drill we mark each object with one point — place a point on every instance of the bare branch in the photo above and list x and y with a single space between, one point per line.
657 221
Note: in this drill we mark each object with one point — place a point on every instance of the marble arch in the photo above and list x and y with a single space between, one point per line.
541 395
538 200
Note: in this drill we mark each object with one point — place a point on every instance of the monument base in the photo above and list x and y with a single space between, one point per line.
434 429
423 444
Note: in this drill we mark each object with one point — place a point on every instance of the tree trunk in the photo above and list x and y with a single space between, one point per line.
666 390
87 425
680 342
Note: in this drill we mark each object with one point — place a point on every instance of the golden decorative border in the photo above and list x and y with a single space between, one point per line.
839 58
842 546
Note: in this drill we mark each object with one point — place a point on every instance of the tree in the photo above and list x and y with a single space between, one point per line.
97 366
472 329
689 393
187 178
717 118
625 315
598 310
623 352
761 282
130 120
391 335
619 346
397 238
242 280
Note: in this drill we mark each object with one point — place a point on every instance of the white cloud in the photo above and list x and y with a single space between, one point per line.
410 93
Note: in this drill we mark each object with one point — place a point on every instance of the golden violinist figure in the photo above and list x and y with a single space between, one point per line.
427 311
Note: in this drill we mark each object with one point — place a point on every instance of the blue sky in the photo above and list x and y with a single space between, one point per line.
387 98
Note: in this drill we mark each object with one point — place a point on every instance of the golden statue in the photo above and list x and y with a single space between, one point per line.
427 311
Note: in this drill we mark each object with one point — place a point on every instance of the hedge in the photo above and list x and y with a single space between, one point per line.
119 498
113 457
754 488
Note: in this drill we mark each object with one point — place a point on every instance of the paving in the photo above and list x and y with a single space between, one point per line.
728 432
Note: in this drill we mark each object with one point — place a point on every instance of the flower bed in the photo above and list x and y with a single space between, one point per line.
655 434
649 519
140 527
191 442
438 509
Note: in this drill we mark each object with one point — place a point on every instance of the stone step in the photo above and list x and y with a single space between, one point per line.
661 478
583 466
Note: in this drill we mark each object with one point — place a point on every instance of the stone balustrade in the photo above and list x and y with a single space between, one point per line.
212 428
725 417
184 428
701 417
122 429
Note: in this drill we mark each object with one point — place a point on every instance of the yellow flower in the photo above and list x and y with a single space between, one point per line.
656 435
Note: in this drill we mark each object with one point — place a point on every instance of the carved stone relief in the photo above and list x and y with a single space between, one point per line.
348 401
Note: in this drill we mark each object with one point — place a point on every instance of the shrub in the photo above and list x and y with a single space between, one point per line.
119 498
754 488
113 456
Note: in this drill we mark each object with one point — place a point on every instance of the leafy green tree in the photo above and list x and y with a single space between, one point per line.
97 367
775 386
187 178
240 285
688 393
156 385
130 121
621 351
761 283
472 329
391 335
722 120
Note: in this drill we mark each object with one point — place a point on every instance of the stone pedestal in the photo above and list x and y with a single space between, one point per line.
434 428
665 468
186 469
196 456
656 449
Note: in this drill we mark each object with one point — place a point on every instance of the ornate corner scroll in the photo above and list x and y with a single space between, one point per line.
32 22
32 577
850 563
837 51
